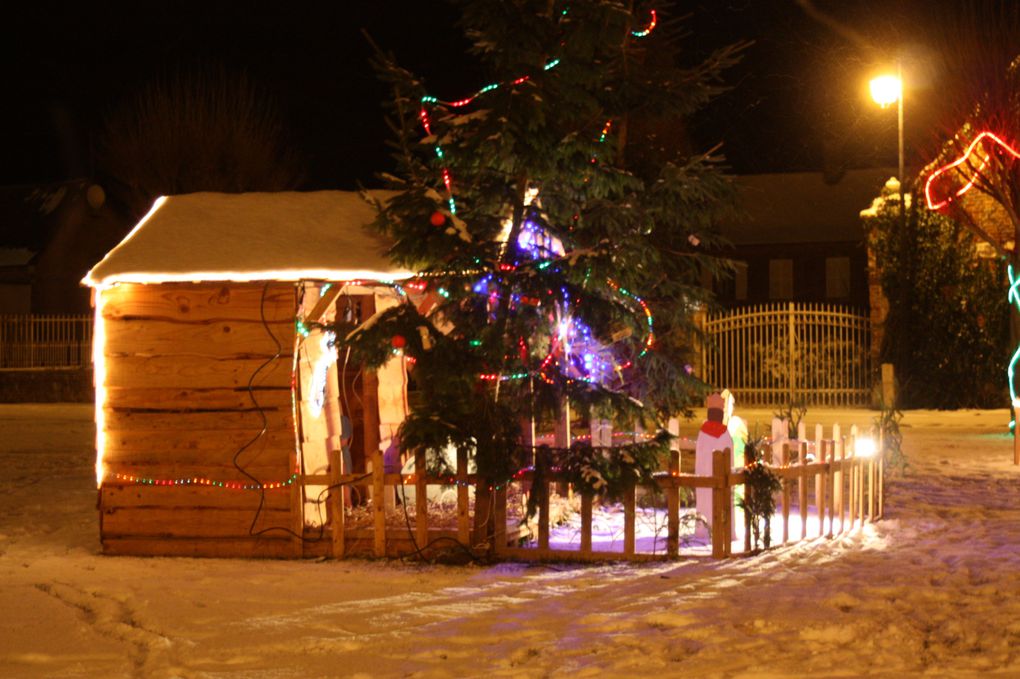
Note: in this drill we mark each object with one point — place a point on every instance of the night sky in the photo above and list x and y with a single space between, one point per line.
798 100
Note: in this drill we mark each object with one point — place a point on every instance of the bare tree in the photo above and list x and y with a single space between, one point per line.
204 130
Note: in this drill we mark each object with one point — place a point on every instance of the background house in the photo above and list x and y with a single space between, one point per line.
799 237
50 234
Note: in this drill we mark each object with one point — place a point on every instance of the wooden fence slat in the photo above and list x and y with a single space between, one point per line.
378 503
802 494
821 477
673 507
721 501
786 494
586 518
542 458
421 499
463 517
629 519
499 539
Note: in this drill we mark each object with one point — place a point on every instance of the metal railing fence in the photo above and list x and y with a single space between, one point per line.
776 354
51 341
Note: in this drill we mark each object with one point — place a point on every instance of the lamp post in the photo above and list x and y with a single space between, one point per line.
885 91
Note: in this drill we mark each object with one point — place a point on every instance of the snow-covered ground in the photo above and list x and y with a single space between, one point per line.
933 589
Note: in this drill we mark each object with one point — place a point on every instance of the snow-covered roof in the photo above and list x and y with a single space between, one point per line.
249 237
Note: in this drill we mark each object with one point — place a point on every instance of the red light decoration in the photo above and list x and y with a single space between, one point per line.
934 202
438 218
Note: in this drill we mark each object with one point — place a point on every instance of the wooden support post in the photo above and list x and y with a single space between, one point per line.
830 483
802 487
463 516
721 505
1016 439
586 507
379 502
297 516
499 519
786 493
629 520
421 499
821 478
853 484
839 480
673 505
862 481
881 475
871 488
561 438
542 458
747 520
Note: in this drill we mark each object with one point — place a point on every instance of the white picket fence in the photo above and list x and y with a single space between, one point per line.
45 341
773 354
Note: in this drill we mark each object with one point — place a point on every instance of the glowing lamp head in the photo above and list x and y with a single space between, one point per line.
864 447
886 90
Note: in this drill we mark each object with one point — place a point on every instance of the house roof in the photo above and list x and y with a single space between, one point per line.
251 236
802 207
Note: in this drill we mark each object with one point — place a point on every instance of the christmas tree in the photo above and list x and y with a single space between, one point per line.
561 247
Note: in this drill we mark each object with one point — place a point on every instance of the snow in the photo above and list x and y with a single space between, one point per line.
285 235
931 589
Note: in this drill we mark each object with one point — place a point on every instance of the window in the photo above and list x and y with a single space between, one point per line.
780 279
740 281
837 277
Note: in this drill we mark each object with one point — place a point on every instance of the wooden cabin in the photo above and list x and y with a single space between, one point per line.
218 401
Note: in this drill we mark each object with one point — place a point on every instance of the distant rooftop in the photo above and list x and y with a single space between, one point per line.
801 207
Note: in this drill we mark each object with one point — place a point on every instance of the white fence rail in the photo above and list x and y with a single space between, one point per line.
773 354
45 341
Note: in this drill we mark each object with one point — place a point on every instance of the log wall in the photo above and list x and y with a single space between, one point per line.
195 372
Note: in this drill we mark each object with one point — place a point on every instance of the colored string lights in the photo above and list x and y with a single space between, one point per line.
203 481
428 100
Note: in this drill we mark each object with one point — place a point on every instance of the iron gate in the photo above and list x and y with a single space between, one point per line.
775 354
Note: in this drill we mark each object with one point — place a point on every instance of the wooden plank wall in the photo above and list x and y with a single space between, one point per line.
194 372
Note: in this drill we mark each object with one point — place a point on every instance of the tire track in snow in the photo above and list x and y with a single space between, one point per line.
115 620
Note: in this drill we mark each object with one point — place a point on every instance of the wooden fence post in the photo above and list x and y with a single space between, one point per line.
830 483
673 504
853 483
542 458
463 516
421 499
629 519
379 502
499 518
802 487
881 474
786 492
722 509
821 477
586 511
839 481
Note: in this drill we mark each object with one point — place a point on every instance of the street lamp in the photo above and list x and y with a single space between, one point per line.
887 90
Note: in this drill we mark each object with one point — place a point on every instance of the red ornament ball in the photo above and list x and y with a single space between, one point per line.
398 342
437 218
